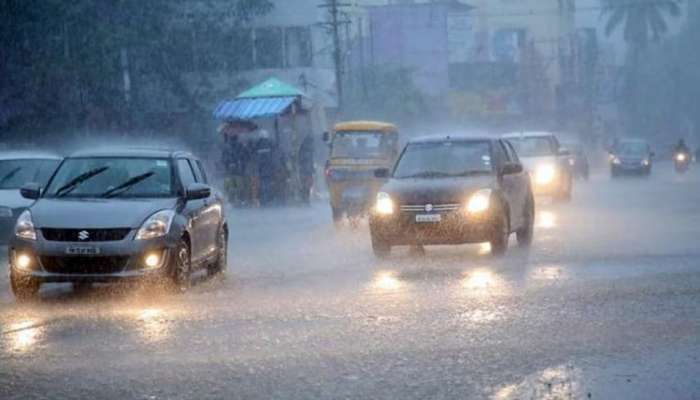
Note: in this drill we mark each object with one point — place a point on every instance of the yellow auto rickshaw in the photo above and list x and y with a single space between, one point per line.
357 150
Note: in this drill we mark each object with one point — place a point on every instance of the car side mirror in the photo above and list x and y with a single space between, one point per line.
381 173
197 191
31 191
326 137
512 169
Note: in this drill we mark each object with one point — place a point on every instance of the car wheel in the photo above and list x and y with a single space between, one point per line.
499 236
525 234
381 248
25 288
566 191
219 266
180 267
337 216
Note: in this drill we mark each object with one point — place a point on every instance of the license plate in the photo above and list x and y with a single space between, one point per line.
428 218
82 251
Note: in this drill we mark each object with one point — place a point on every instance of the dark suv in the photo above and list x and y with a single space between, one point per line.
116 215
454 190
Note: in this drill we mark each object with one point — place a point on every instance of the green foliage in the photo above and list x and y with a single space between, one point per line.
641 20
64 59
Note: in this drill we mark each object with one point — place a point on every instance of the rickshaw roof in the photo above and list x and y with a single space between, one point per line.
366 126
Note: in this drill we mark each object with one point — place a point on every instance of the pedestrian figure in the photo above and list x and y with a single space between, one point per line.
306 168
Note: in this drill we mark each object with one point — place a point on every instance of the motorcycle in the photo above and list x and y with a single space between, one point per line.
681 161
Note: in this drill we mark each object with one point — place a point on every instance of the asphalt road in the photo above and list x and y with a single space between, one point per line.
606 304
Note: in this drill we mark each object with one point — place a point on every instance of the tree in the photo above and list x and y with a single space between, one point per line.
65 59
643 21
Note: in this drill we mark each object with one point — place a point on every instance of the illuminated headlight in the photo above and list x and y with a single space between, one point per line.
680 157
157 225
479 201
153 260
385 205
23 261
572 162
24 228
545 174
616 161
645 162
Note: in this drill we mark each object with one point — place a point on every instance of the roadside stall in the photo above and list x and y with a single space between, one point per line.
263 130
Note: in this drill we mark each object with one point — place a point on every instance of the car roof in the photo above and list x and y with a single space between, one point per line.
384 127
138 152
526 134
453 138
28 155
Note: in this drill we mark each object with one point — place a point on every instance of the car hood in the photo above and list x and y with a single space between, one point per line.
631 158
13 199
436 191
530 163
96 213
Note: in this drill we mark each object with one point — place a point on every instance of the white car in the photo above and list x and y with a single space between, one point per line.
547 161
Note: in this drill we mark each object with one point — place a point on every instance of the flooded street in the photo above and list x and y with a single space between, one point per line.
604 304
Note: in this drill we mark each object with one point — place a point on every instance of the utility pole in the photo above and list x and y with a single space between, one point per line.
334 7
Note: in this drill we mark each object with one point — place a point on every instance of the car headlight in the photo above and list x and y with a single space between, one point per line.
572 162
545 174
616 161
680 157
479 201
24 228
645 162
157 225
385 205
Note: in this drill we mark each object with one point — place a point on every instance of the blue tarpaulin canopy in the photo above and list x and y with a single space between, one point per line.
243 109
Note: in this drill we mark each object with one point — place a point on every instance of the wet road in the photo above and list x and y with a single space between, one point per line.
606 304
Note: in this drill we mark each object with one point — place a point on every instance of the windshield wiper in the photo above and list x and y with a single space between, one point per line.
427 174
9 175
471 173
75 182
115 191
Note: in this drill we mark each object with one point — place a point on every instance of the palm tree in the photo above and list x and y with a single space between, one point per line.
643 21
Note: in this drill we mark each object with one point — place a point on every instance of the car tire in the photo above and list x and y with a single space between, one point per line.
525 234
220 265
566 192
337 216
381 248
500 233
25 288
181 267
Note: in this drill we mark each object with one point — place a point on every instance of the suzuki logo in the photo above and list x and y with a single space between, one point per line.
83 235
428 207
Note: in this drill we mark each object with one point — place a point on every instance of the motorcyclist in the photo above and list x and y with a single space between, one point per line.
681 148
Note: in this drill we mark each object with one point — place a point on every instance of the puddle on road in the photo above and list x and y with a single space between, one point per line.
22 336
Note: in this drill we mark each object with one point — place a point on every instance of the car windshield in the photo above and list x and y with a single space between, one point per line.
361 145
444 159
533 146
631 148
16 173
112 177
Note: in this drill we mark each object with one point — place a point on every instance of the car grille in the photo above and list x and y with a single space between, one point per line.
436 208
84 265
85 235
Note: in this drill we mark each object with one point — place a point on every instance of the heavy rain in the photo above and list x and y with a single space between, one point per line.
360 199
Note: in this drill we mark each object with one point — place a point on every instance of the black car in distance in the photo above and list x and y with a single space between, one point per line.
631 156
454 190
118 215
